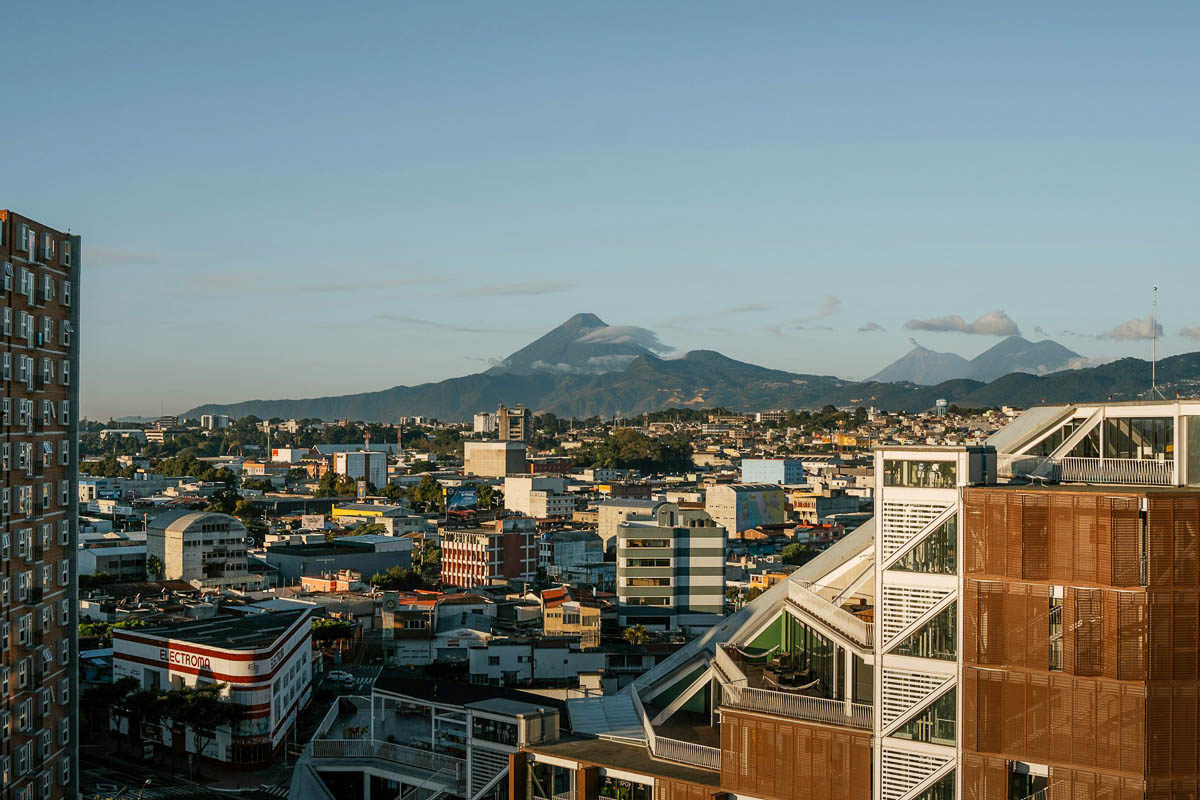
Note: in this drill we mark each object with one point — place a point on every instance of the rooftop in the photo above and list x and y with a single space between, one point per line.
628 757
226 632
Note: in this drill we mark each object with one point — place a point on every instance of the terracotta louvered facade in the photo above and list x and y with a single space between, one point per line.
1113 710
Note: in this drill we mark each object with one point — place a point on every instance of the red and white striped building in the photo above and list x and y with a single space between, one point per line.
265 662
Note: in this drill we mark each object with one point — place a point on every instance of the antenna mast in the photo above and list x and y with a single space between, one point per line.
1154 349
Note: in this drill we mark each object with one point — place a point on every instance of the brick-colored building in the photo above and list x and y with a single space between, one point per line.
38 497
502 552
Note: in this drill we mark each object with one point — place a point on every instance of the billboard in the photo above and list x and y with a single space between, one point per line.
462 499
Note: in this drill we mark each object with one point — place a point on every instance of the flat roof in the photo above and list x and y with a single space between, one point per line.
511 708
628 757
226 632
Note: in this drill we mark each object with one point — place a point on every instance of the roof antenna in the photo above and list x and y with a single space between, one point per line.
1154 349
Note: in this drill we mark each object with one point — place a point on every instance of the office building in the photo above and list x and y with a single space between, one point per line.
214 422
738 507
39 508
503 552
203 548
610 514
363 465
263 660
514 424
564 552
493 459
781 471
671 570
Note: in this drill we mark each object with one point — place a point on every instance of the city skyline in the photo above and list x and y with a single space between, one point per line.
764 185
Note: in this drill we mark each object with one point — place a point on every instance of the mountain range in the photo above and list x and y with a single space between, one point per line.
927 367
586 368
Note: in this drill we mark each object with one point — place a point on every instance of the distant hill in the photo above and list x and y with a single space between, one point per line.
1017 354
704 379
926 367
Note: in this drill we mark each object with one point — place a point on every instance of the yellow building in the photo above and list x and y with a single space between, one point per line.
765 580
348 512
570 611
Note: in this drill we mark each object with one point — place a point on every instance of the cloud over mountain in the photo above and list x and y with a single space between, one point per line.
993 323
1138 329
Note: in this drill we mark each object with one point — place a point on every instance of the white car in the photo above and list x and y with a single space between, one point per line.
341 676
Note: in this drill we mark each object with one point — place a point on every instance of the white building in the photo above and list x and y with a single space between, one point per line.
204 548
510 662
537 496
738 507
214 422
362 465
485 422
264 660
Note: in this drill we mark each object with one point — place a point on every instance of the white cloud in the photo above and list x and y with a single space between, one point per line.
993 323
1191 333
870 326
1138 329
625 334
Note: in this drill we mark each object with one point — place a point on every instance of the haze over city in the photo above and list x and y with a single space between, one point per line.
308 199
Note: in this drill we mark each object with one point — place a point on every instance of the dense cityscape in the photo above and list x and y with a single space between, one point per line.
623 401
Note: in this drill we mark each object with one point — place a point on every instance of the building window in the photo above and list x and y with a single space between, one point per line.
619 789
920 474
491 730
647 542
936 554
934 725
1149 438
936 639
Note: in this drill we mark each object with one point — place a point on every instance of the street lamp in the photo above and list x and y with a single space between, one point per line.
144 785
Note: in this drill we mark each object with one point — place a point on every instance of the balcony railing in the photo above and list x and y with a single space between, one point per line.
387 751
784 704
697 755
1117 470
1073 469
833 616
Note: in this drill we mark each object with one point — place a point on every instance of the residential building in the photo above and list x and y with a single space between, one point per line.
571 612
264 662
204 548
485 422
810 508
671 570
738 507
514 424
543 662
362 465
38 508
493 459
560 552
611 514
781 471
503 552
518 491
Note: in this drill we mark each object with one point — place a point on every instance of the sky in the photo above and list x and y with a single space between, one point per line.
303 199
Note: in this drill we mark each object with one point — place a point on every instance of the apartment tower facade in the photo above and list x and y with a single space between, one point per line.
38 498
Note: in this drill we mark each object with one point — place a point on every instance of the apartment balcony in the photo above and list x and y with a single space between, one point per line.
1110 471
799 706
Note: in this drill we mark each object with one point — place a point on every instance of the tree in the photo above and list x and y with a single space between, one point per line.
637 634
798 554
427 561
140 707
202 710
99 701
223 501
327 629
400 579
429 493
259 484
154 568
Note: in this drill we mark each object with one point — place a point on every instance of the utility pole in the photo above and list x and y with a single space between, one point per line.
1154 349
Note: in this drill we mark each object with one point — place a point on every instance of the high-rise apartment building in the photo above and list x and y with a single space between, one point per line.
363 465
39 407
514 424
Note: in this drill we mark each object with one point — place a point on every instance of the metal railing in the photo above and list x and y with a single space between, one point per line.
1117 470
726 667
387 751
696 755
681 752
785 704
833 616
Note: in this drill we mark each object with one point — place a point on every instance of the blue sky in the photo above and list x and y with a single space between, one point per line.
299 199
